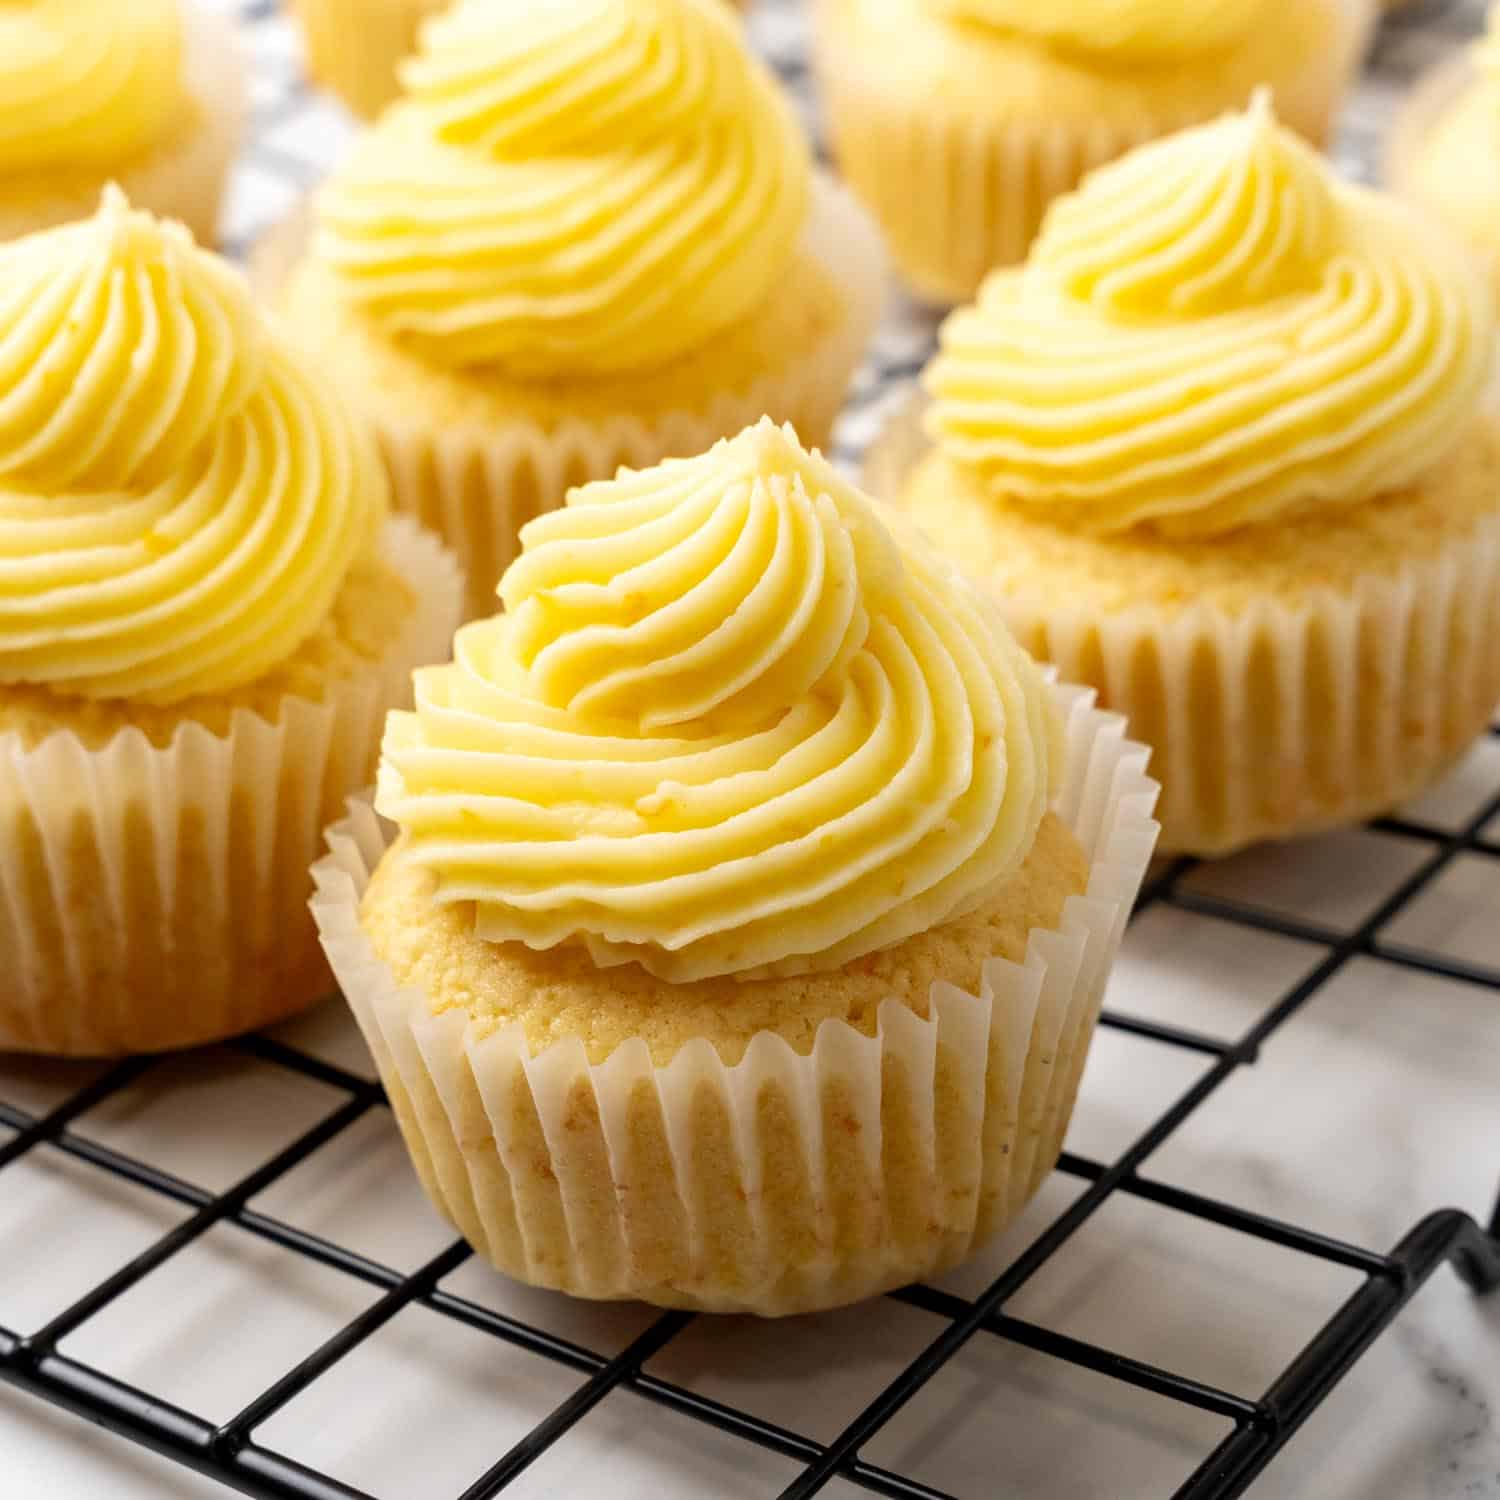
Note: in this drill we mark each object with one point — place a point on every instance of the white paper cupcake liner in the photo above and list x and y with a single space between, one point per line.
183 178
476 486
1288 717
154 896
785 1182
958 195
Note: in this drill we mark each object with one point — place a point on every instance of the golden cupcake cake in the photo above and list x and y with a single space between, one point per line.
1222 449
354 47
590 233
149 94
747 902
1445 149
959 121
204 618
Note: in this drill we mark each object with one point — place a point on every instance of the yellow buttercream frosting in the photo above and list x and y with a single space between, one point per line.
85 84
578 189
180 500
1214 332
1150 31
726 724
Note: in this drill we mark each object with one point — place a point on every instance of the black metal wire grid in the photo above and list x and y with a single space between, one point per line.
229 1452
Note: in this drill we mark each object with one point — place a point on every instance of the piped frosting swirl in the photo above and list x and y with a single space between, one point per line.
1211 333
180 500
578 189
726 724
1148 31
84 84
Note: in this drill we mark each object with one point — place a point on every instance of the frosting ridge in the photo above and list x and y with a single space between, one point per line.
179 500
581 189
727 724
84 84
1211 333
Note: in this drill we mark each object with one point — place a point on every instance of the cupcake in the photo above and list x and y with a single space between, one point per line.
1445 150
149 94
590 234
204 617
1222 449
742 923
959 121
354 46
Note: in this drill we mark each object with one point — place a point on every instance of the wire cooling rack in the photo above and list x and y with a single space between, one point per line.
297 133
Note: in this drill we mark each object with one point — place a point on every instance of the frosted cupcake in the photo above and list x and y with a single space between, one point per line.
149 94
589 234
752 900
959 121
204 617
1445 152
354 47
1220 448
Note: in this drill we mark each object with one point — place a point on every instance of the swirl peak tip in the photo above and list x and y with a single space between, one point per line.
757 539
126 301
1223 216
1261 111
775 447
566 90
133 231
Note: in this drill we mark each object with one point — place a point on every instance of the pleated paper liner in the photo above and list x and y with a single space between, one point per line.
476 486
785 1182
155 896
183 177
1283 718
957 196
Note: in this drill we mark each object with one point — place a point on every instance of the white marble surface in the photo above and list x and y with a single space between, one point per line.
1378 1103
